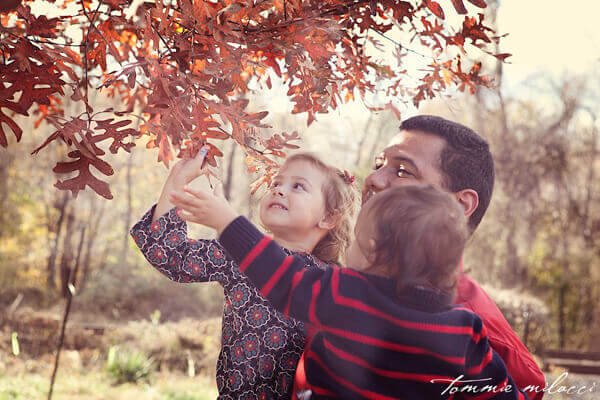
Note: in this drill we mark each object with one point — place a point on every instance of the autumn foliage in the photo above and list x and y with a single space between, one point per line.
182 69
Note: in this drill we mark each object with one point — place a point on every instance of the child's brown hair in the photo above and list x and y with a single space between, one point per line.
420 235
340 202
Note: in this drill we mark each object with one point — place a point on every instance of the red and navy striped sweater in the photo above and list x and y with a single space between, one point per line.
368 342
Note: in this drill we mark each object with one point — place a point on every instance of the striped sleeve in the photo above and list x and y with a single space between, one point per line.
486 371
283 280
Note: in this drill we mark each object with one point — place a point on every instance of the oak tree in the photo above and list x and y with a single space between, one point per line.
182 70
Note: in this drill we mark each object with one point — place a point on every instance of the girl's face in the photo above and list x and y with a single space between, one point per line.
295 201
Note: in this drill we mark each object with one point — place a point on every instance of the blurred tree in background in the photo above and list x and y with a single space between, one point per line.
537 248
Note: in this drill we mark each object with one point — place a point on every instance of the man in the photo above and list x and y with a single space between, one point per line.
448 155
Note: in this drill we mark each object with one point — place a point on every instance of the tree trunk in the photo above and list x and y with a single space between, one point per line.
561 316
73 278
61 205
128 212
513 263
66 262
6 160
594 336
363 139
93 229
250 206
229 177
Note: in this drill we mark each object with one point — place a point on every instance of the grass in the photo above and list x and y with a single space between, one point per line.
126 366
97 385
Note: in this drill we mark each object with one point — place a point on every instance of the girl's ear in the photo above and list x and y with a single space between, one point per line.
329 221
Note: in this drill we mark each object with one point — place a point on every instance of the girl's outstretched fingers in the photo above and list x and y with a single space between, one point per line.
185 200
186 216
197 194
205 208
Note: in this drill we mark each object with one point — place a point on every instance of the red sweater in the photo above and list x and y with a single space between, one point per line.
503 339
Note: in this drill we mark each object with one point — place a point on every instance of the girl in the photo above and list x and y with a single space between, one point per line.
308 209
386 329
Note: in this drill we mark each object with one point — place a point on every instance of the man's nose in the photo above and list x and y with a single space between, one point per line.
377 180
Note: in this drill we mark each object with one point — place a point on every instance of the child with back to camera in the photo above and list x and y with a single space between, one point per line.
307 209
385 328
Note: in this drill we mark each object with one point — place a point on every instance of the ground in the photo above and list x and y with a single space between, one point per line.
96 385
183 357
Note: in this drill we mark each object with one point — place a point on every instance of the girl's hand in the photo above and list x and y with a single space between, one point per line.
185 171
205 208
182 173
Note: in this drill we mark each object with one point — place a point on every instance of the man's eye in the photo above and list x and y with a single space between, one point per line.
403 173
378 164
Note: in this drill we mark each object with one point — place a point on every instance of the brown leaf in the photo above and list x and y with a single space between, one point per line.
84 177
9 5
5 119
44 27
192 65
435 8
502 56
459 6
478 3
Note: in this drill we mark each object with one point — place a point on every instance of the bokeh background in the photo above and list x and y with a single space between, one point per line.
537 251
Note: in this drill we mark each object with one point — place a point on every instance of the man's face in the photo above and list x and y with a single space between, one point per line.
411 157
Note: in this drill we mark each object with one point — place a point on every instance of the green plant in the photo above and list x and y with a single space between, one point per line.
12 395
128 366
185 396
155 317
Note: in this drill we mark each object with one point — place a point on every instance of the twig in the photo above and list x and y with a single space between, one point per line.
71 293
162 39
44 41
261 152
400 45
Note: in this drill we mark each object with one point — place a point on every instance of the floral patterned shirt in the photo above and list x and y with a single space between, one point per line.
260 347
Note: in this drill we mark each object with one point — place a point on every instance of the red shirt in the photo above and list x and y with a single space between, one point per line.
519 362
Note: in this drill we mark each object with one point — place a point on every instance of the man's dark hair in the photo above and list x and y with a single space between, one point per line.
466 161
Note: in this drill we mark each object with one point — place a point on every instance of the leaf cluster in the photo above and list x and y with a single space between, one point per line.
182 69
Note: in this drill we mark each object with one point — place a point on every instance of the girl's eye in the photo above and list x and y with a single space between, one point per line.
274 185
299 186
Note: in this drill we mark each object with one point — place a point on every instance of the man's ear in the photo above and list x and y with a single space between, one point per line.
372 245
370 257
468 199
329 221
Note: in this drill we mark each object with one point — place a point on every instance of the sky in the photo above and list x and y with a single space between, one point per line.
555 36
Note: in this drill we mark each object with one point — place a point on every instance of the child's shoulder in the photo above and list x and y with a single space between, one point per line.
467 316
